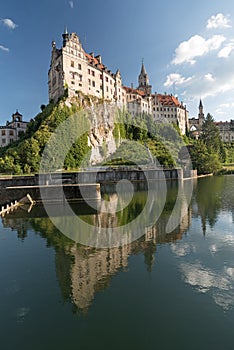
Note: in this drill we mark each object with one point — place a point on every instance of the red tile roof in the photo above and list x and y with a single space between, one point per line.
130 90
168 100
94 61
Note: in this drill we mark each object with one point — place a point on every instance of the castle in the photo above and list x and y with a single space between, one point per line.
226 129
74 70
12 130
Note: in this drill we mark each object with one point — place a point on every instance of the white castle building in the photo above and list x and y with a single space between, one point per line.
12 130
72 70
226 129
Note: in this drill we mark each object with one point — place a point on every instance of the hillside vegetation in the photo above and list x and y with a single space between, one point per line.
139 140
24 156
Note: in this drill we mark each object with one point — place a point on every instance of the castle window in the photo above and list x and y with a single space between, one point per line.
89 81
79 66
11 133
106 79
3 132
72 82
111 82
72 52
93 73
80 77
107 89
3 140
93 83
72 63
88 71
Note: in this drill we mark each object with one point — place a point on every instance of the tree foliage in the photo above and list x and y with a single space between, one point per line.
212 139
25 155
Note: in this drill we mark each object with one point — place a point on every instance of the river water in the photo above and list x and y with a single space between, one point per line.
164 290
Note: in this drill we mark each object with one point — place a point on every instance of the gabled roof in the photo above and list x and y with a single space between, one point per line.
130 90
94 61
169 100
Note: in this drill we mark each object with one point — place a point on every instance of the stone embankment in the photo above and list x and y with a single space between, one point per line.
75 183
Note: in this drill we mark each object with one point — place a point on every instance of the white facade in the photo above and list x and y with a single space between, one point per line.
12 130
226 130
164 108
167 108
73 69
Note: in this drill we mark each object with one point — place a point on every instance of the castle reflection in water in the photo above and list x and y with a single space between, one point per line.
82 271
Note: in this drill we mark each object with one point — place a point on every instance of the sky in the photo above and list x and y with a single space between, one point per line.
187 47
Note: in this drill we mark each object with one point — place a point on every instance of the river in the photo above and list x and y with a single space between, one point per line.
163 290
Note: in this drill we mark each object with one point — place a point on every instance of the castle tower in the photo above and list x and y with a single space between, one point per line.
143 81
201 116
65 37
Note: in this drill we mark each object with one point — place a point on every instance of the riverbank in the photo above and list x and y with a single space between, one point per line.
15 187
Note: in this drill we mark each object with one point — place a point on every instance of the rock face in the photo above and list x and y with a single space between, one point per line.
102 117
101 137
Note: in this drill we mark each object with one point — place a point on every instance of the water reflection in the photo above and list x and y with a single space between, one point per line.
208 266
205 265
81 270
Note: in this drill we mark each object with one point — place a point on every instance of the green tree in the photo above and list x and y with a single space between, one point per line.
203 159
211 138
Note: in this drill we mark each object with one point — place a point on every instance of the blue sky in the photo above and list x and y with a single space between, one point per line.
187 46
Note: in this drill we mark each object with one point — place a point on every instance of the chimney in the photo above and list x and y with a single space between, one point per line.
99 58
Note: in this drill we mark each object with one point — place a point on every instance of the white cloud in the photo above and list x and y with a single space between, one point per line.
218 21
9 23
196 46
3 48
201 86
226 51
175 78
71 3
219 285
181 249
209 77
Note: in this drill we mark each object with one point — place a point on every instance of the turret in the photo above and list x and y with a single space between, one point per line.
143 80
65 37
201 116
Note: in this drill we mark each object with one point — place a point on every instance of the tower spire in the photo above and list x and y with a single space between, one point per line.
143 80
143 71
201 115
65 36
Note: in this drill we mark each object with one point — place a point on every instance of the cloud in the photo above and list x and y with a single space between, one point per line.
196 46
209 77
71 3
219 285
175 78
209 86
218 21
9 23
3 48
225 105
226 51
